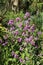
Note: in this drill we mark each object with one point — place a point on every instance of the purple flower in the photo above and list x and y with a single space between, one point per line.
20 25
30 38
0 40
25 17
11 22
23 34
29 30
32 27
5 43
32 42
19 39
14 54
21 60
16 32
26 40
27 14
12 28
21 49
26 27
18 19
26 21
39 33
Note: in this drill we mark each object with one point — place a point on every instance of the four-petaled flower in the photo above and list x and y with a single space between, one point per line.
11 22
18 19
19 39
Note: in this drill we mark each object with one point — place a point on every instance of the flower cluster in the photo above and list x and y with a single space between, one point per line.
21 40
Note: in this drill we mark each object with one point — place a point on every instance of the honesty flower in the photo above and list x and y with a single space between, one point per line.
21 49
27 14
11 22
21 60
23 34
12 28
26 22
14 54
5 43
29 30
32 27
26 40
25 17
18 19
29 26
16 32
19 39
26 27
39 33
20 24
30 38
32 42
